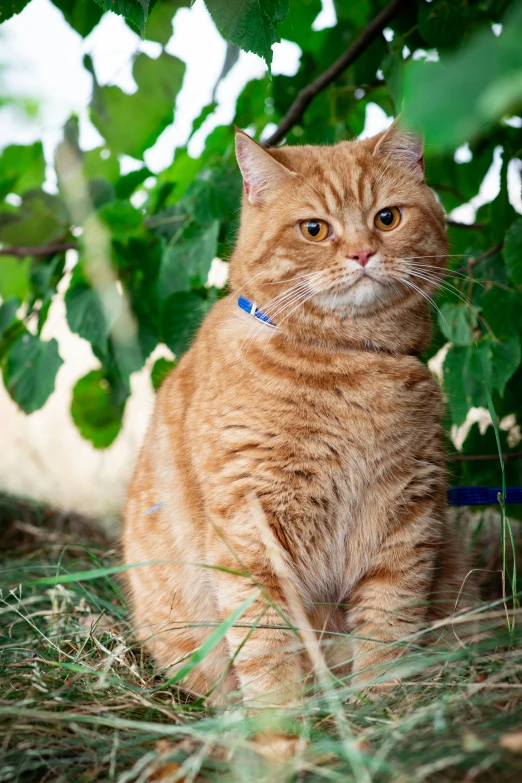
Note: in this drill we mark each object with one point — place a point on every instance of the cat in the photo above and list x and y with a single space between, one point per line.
314 403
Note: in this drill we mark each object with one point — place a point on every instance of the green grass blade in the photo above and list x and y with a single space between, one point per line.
494 421
82 576
505 523
213 640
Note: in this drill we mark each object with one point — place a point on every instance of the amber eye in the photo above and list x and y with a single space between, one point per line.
388 218
316 230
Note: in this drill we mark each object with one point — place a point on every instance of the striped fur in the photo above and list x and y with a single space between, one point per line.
330 419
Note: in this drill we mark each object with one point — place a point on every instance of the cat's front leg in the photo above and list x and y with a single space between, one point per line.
266 654
390 603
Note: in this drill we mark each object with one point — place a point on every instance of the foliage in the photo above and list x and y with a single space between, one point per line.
79 700
146 243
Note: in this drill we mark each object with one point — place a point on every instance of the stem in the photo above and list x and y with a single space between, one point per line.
485 457
21 251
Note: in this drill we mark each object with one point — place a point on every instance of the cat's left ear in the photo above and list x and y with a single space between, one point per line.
403 147
262 174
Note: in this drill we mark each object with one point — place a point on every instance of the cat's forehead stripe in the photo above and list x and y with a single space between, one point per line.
335 191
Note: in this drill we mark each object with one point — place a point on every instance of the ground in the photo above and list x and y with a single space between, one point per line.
79 699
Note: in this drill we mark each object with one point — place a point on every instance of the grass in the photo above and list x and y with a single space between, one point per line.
79 699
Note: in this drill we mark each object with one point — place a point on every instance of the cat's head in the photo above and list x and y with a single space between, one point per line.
349 230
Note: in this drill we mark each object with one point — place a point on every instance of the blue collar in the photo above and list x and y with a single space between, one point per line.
252 309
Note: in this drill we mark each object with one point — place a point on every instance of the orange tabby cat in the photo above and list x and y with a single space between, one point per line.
325 414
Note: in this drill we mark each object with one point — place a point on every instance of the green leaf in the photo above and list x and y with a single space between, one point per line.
186 263
8 313
127 184
46 274
21 169
128 356
159 23
460 385
393 69
215 194
513 252
500 361
466 370
355 13
132 123
84 312
42 218
211 642
181 316
454 182
162 368
446 23
297 25
205 112
474 87
174 273
96 415
256 101
135 11
178 176
101 163
122 219
502 311
9 8
456 322
250 24
83 15
31 370
100 192
14 277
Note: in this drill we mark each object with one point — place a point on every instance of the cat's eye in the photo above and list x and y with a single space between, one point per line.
315 230
388 218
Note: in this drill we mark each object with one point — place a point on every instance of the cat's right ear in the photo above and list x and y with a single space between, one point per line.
262 174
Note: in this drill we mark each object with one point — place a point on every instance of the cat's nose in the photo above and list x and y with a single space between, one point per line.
361 256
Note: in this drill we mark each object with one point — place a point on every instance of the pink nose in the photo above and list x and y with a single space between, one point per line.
361 256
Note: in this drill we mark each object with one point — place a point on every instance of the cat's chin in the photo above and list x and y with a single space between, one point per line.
367 295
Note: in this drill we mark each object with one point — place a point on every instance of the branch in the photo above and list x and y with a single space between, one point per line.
308 93
485 457
469 226
475 261
21 251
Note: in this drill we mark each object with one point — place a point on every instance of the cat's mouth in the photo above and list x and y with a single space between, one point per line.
359 295
366 275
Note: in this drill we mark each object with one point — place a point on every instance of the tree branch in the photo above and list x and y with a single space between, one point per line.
21 251
469 226
475 261
485 457
308 93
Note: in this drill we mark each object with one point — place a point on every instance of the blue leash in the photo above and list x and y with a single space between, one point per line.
457 496
482 496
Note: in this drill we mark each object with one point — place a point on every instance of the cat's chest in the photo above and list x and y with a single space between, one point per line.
321 452
345 422
355 420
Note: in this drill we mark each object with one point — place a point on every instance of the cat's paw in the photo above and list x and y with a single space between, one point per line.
277 748
165 770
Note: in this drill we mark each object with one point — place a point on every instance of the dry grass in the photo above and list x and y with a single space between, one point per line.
79 701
